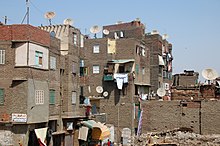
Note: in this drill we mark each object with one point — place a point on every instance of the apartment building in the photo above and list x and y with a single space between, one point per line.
73 111
29 84
160 62
118 72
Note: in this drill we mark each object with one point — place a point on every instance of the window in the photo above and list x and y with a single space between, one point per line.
95 69
2 100
137 68
2 56
143 70
83 71
39 97
52 62
75 38
74 68
121 34
52 96
96 49
38 58
74 97
160 70
81 41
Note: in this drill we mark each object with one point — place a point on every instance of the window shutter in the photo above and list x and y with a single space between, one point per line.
52 96
1 96
74 97
52 62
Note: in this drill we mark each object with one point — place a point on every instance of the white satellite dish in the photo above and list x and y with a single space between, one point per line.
137 19
68 21
161 92
119 22
165 36
105 32
209 74
105 94
95 29
49 16
99 89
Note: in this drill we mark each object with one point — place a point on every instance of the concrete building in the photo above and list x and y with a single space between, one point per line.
72 41
29 84
118 72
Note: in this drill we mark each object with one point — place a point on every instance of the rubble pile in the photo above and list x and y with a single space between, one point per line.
177 138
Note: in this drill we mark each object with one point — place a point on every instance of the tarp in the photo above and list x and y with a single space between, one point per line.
41 134
89 123
83 133
99 130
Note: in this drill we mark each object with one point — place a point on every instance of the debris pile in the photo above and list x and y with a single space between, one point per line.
176 138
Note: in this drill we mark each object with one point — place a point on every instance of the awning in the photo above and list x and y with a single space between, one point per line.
161 61
89 123
100 131
121 61
41 134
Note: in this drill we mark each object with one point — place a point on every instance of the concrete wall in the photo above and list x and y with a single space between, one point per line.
201 117
37 113
22 52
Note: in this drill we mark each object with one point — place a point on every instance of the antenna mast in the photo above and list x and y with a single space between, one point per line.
27 13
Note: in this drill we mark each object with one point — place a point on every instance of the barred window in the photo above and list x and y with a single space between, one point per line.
39 97
2 56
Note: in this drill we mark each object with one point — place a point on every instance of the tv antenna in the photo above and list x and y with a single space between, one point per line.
209 74
49 16
161 92
105 31
68 21
95 29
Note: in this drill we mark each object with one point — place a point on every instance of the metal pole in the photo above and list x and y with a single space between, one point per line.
27 4
118 126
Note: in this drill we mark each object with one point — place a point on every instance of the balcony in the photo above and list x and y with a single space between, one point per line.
108 77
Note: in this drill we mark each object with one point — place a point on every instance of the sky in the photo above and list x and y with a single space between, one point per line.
193 26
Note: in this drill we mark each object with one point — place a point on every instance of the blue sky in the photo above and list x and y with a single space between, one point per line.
192 25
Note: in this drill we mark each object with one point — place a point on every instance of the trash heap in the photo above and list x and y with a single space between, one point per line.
176 138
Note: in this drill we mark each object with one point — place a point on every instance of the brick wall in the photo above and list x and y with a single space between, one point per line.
24 33
168 115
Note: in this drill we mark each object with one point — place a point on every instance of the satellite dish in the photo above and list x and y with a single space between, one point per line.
99 89
119 22
165 36
137 19
49 16
52 34
209 74
95 29
161 92
68 21
105 31
105 94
